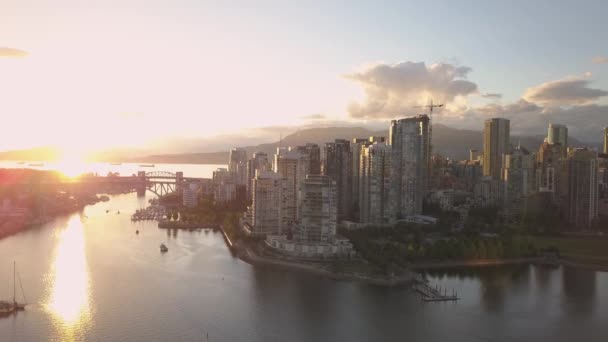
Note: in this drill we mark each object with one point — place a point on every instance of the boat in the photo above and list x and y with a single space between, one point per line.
21 162
137 232
107 211
6 307
163 248
115 163
146 165
35 164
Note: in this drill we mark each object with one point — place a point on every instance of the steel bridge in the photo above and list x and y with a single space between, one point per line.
159 183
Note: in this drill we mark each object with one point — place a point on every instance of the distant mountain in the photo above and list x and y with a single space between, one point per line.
450 142
45 153
312 135
184 158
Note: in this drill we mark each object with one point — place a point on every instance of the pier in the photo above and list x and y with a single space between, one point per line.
434 294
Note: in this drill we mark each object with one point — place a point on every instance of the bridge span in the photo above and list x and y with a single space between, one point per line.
159 183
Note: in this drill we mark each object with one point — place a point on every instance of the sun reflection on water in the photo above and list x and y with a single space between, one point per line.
68 300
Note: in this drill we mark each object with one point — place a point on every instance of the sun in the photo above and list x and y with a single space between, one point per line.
71 164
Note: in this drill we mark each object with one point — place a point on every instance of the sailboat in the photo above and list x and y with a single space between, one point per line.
7 308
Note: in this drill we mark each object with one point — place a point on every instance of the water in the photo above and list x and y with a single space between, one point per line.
89 277
74 168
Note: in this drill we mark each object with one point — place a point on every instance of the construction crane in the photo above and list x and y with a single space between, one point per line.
430 106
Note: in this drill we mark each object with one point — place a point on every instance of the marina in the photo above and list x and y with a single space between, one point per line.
151 213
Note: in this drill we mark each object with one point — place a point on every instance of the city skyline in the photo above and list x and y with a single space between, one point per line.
303 171
189 66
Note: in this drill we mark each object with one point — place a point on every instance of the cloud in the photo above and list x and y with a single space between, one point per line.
392 90
568 101
567 91
495 96
10 52
584 121
600 60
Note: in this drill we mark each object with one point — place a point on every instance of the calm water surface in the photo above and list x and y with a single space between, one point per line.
89 277
74 168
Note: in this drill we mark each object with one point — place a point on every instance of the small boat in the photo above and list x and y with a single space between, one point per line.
21 162
7 308
115 163
107 211
137 232
118 212
146 165
163 248
35 164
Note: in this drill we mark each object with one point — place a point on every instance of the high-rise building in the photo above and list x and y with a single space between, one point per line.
224 189
549 169
374 183
224 192
602 179
312 153
606 140
496 142
518 178
221 175
558 134
410 161
468 173
318 212
475 154
293 165
190 195
338 167
356 148
237 165
267 206
582 197
258 162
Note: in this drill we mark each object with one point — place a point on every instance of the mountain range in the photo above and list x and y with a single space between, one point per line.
450 142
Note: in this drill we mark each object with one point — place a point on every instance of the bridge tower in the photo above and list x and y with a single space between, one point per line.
141 183
179 181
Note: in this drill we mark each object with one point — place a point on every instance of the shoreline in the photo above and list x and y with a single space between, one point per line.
590 267
18 225
413 274
253 259
474 263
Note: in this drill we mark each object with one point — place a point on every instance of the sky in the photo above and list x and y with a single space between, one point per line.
97 74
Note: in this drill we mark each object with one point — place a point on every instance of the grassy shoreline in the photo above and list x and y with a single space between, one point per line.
584 252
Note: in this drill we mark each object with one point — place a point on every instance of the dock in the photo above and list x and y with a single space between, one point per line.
434 294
